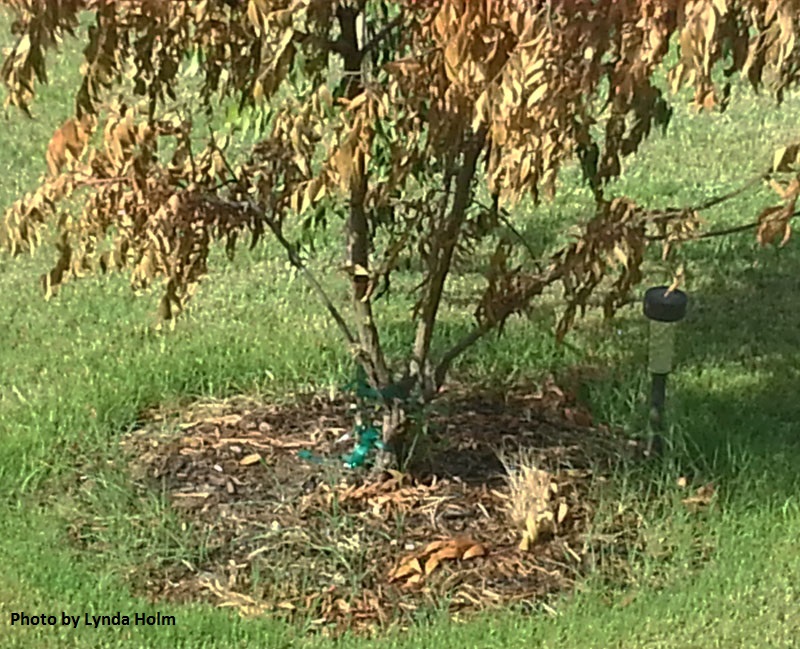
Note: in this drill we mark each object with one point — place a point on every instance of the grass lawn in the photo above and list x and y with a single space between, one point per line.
77 372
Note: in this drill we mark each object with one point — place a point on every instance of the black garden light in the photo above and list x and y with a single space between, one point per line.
664 309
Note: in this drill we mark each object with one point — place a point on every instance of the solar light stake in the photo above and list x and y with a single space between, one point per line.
663 309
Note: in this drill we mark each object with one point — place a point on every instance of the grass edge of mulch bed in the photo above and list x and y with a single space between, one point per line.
496 511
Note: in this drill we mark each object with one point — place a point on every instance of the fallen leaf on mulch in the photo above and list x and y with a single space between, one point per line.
227 598
247 460
414 566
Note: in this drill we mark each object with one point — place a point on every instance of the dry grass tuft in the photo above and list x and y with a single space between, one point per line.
530 491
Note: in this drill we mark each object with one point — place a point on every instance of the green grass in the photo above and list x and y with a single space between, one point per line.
78 371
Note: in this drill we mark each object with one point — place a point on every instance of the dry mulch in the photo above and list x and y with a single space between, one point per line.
346 549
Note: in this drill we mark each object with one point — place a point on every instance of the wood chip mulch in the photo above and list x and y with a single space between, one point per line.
346 549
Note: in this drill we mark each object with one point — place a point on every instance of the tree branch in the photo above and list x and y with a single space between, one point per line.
554 273
294 259
712 202
346 46
443 245
736 229
357 227
381 34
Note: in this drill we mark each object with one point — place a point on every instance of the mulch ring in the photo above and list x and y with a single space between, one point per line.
345 549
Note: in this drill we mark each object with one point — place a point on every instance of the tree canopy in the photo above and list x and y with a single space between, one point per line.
389 114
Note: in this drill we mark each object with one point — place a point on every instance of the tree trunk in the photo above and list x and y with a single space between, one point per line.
359 239
441 256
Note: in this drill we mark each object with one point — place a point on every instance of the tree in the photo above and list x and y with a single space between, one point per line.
391 114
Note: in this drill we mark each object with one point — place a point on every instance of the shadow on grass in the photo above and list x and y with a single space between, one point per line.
733 399
737 393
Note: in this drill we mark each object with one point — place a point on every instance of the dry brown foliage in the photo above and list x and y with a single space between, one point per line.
392 113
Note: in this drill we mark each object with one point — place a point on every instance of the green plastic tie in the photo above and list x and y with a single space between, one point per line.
360 385
369 441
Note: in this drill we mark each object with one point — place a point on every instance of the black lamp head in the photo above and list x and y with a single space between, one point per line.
665 307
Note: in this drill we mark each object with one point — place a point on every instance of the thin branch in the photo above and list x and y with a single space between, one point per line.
719 233
456 350
93 182
294 259
553 274
297 262
382 34
442 246
502 215
344 48
712 202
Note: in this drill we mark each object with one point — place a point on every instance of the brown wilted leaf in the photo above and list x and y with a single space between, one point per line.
462 544
773 223
69 140
452 551
702 497
434 554
432 563
413 581
785 158
228 598
473 552
408 566
433 546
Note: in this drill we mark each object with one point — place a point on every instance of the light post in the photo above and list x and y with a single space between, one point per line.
664 309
